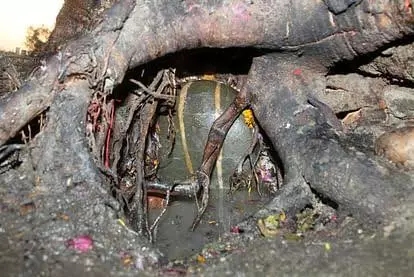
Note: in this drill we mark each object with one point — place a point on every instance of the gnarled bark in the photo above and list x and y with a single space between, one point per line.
300 41
136 32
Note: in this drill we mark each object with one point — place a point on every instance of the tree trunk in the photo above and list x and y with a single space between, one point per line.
292 47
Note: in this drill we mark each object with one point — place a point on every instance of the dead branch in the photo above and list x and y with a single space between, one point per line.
138 208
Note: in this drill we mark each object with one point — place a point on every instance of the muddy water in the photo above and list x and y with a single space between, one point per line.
174 236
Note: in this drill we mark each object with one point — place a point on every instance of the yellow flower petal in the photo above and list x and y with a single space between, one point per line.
248 118
201 259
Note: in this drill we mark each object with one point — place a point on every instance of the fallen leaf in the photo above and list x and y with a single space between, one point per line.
265 230
282 216
292 237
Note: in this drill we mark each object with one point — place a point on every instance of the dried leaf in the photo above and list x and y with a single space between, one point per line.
267 232
63 217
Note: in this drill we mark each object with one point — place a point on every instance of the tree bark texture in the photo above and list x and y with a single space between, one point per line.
298 42
135 32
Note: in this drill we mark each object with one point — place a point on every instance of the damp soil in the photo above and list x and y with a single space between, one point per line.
38 219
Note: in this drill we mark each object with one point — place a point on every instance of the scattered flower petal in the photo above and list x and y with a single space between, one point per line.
297 71
235 230
127 260
82 243
248 118
201 259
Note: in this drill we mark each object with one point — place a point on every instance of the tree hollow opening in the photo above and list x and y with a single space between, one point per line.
150 137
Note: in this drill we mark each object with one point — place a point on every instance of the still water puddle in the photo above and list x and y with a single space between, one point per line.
177 241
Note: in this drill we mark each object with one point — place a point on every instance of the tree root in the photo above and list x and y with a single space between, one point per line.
262 169
312 151
215 140
240 178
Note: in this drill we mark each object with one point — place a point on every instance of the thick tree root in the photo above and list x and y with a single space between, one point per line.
311 150
215 141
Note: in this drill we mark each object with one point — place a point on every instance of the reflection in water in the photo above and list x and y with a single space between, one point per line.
223 214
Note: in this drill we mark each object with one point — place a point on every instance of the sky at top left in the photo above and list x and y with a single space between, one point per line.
17 15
